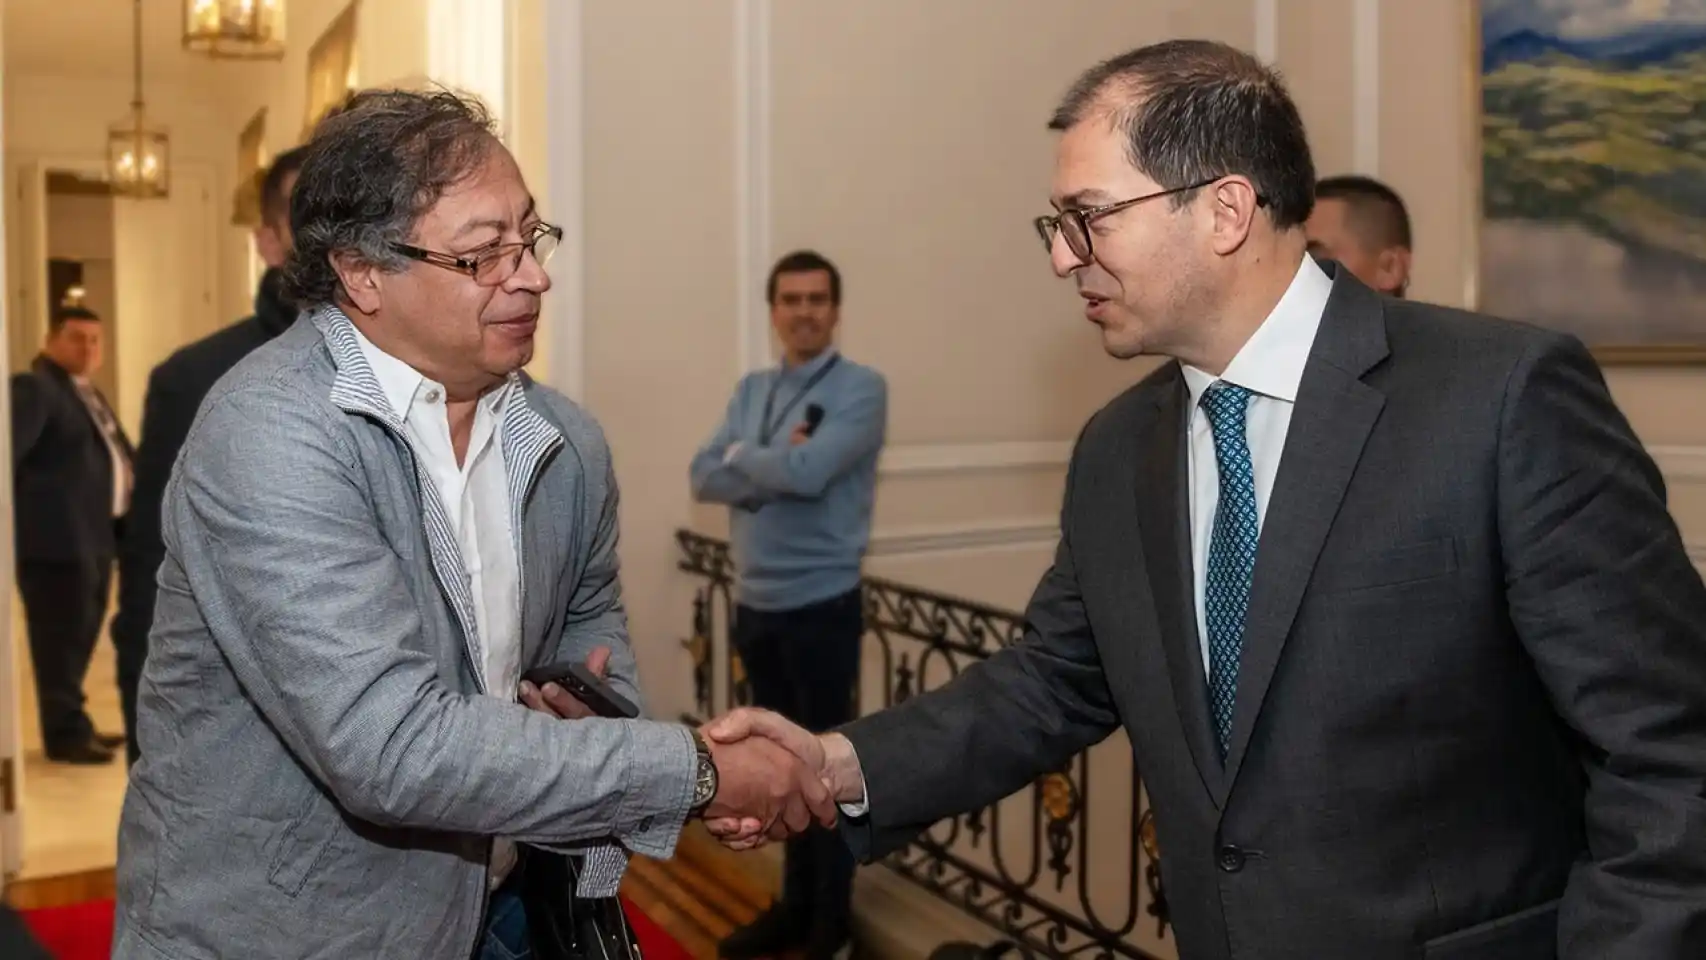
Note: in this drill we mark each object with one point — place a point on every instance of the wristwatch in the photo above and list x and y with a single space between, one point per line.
705 781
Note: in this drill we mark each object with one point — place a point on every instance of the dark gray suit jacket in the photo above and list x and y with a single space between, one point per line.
1471 715
62 471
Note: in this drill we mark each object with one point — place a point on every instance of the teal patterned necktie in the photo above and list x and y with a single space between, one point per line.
1231 551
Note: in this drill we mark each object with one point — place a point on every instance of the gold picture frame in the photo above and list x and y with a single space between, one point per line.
252 160
1542 57
331 68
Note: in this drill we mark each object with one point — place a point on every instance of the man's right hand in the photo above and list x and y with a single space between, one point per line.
829 758
766 789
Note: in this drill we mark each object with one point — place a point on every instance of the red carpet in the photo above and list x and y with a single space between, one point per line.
84 931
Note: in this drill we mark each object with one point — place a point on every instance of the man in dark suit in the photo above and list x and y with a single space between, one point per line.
1386 595
71 486
175 391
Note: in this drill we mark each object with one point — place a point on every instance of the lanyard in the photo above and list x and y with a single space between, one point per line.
767 429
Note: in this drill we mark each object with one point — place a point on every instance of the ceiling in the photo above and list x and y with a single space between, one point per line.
87 37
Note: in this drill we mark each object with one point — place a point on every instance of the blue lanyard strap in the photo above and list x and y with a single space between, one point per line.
767 429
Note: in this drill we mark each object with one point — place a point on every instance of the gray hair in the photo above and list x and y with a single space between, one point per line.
373 168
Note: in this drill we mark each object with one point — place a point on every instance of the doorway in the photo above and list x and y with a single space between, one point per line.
63 232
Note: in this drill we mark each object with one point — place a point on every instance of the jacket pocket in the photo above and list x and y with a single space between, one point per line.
1530 934
1410 563
303 844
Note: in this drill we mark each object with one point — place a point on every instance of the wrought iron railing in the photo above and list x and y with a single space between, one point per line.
1050 902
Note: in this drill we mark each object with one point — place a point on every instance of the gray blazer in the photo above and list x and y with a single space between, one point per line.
1471 713
320 777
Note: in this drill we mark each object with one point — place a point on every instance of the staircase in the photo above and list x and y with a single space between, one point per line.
702 894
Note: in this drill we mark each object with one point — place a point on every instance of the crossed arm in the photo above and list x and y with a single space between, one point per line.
712 478
726 470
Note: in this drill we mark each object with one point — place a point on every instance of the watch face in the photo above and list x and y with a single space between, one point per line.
705 788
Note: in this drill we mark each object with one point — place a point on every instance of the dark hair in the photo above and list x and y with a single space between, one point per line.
804 261
1375 211
61 315
1193 110
275 202
372 169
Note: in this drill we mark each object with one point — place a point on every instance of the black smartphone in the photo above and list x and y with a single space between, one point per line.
585 686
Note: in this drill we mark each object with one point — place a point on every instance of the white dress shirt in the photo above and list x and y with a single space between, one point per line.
124 475
476 500
1270 365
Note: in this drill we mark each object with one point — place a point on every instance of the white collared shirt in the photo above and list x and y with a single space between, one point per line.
1270 365
476 500
124 477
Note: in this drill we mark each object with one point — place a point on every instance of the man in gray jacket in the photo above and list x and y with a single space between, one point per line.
377 523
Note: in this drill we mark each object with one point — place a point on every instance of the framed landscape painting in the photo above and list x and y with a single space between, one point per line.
1593 171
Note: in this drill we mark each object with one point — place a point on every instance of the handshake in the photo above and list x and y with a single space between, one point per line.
774 778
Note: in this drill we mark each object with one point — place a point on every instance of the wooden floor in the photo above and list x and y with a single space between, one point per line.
700 896
70 813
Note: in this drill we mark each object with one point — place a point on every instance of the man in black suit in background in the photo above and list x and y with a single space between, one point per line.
1385 595
71 487
175 391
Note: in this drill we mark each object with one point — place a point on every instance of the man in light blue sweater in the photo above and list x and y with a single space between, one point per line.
795 458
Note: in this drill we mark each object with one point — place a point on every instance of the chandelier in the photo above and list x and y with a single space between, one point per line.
235 29
138 153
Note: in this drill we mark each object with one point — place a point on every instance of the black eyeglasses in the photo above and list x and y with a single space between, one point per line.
1074 224
492 265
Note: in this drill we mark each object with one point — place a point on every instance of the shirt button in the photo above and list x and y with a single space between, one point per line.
432 396
1230 858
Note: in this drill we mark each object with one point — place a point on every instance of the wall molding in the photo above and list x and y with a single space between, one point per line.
565 156
988 535
468 49
1365 86
752 182
1267 31
1680 462
937 459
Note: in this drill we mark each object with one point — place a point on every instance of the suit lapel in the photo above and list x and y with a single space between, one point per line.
1163 512
1334 414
